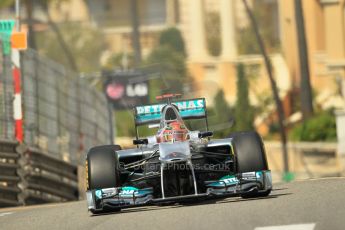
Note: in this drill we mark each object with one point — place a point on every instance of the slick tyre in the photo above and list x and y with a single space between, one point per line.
250 156
102 167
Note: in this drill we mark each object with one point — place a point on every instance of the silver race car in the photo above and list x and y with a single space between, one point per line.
176 164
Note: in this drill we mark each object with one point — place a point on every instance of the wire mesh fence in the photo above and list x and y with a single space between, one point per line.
62 114
6 96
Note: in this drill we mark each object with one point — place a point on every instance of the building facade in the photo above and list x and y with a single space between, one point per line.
324 27
325 38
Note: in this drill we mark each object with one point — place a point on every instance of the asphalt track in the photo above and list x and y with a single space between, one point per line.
301 205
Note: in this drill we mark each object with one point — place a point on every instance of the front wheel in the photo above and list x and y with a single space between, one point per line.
102 171
250 157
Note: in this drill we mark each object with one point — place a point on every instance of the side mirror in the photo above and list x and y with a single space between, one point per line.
205 134
143 141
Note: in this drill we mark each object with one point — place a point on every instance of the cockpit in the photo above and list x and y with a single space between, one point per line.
170 114
172 127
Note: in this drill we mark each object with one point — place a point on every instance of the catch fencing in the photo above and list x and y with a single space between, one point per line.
6 96
63 116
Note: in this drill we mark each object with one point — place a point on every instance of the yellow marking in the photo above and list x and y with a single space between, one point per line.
87 175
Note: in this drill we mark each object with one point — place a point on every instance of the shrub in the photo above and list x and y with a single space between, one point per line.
321 127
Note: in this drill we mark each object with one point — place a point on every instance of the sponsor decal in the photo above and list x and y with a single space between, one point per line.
195 105
248 174
258 175
225 181
188 108
149 109
182 106
229 179
98 194
109 191
128 190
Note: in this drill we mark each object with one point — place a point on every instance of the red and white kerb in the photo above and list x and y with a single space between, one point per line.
17 102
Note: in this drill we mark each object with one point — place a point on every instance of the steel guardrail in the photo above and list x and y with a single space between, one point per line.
48 179
9 178
31 176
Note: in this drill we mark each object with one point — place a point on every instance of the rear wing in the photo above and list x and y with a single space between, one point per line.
188 109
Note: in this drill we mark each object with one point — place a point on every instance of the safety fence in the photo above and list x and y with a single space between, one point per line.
63 116
6 96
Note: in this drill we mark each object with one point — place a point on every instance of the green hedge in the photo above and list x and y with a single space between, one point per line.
321 127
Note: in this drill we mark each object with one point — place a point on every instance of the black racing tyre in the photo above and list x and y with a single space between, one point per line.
250 156
102 167
249 152
256 194
105 210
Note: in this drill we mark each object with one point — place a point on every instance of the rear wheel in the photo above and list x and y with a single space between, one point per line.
102 167
250 156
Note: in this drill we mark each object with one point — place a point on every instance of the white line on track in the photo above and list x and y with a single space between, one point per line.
310 226
5 214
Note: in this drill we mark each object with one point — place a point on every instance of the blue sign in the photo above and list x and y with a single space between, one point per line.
6 28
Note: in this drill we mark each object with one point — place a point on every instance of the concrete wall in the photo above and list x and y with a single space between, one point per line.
306 160
324 28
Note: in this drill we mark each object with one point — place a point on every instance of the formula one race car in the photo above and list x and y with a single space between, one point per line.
176 165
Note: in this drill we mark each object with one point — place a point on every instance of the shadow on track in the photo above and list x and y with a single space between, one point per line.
209 201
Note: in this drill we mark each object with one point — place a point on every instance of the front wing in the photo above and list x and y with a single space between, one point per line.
227 186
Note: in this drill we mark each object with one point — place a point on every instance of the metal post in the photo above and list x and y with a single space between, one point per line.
135 32
306 90
287 176
18 15
16 73
162 180
111 122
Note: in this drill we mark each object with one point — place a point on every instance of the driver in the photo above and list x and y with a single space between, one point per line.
174 131
173 128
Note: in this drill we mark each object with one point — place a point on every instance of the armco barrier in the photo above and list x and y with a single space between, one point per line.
47 179
31 176
9 178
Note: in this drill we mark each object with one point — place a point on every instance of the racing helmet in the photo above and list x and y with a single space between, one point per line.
172 126
175 131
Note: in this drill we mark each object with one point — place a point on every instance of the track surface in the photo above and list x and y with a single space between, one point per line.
312 204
